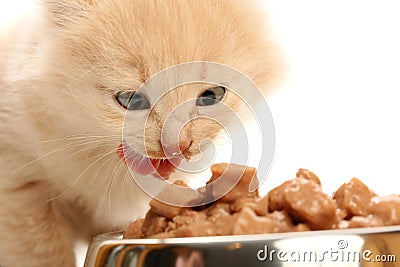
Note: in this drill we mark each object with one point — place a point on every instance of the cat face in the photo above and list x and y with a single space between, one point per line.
103 51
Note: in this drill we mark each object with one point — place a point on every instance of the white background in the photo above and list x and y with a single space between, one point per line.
338 112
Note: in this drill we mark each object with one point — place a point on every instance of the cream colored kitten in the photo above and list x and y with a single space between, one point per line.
66 77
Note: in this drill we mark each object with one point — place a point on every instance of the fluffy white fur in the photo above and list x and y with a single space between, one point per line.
60 177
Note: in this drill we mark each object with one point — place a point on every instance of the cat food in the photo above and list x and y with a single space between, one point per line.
296 205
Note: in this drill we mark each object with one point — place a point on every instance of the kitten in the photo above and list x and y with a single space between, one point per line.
67 75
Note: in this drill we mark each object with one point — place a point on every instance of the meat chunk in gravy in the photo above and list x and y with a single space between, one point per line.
296 205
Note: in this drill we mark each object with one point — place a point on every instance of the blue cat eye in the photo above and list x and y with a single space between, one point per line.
211 96
132 100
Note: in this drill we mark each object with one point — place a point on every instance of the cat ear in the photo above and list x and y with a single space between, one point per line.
65 12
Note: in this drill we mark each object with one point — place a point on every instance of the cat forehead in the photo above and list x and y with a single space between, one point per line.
162 94
129 41
153 35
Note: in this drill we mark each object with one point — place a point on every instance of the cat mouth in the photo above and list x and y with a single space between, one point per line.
141 164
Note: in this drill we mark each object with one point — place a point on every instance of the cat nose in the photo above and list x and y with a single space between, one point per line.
184 146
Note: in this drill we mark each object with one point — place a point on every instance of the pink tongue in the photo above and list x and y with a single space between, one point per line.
145 166
142 166
159 168
167 167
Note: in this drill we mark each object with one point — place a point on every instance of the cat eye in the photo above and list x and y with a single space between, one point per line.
132 100
211 96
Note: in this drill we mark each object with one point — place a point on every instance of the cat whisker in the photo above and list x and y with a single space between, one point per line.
124 182
82 173
94 180
67 146
98 145
108 181
134 156
77 137
59 149
113 178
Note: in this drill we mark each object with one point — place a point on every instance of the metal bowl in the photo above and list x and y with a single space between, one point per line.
378 246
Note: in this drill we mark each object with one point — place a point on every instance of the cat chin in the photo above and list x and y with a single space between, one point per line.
143 165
